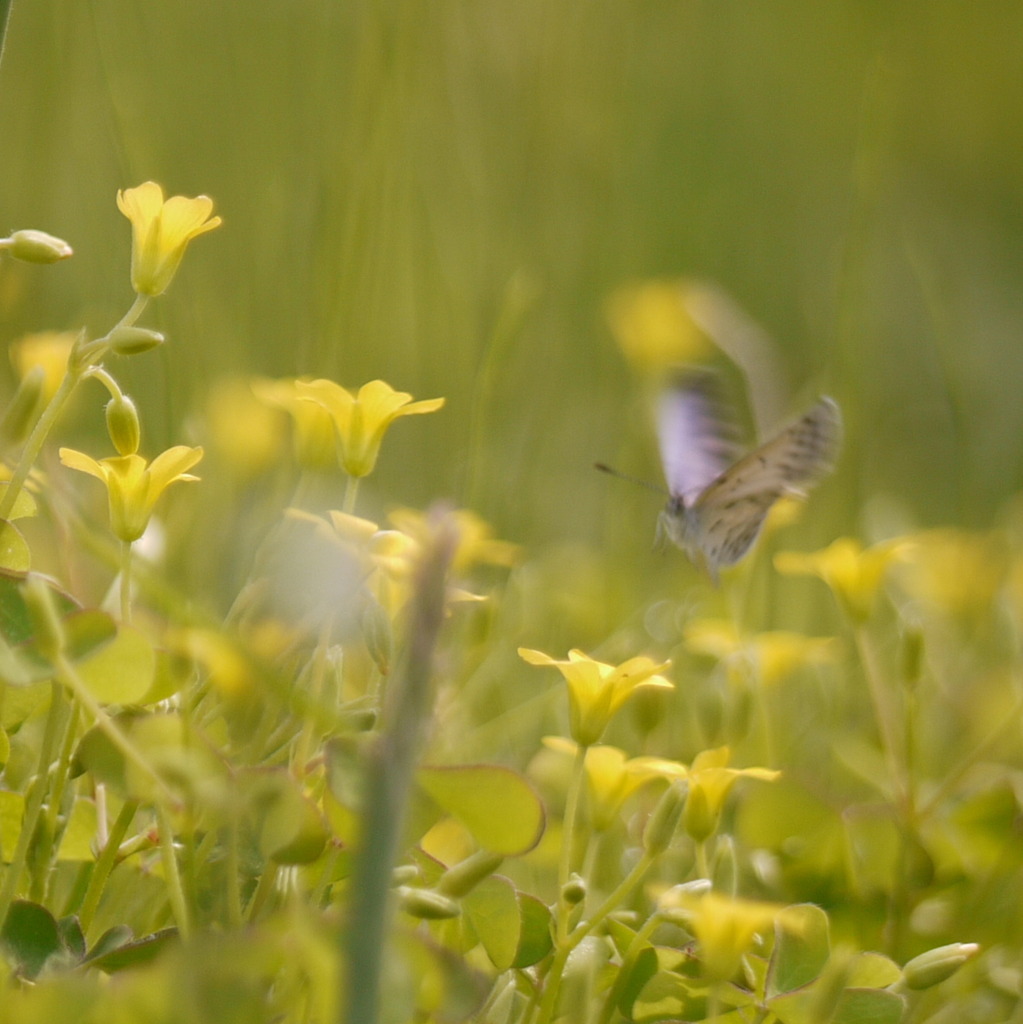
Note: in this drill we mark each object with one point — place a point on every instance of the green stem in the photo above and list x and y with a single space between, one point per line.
67 675
311 722
126 565
34 800
555 974
263 889
880 699
105 863
175 892
568 831
390 766
36 439
45 423
351 492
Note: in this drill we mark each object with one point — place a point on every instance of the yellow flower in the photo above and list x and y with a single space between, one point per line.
724 926
595 690
958 572
854 575
248 436
361 420
772 655
611 777
313 436
476 541
710 782
48 349
653 326
133 485
161 230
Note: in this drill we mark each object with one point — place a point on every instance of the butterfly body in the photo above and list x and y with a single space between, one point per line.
716 506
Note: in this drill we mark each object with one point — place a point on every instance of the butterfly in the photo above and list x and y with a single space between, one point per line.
717 504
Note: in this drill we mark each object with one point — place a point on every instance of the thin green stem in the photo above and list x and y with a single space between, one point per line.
36 439
552 985
312 722
233 867
172 876
886 725
105 863
264 887
568 832
45 423
351 493
126 566
34 800
67 675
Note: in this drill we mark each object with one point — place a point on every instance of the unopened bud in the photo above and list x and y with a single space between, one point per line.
37 247
130 341
936 965
573 892
700 819
662 823
426 904
377 635
467 874
123 425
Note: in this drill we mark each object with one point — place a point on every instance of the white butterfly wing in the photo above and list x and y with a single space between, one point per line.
696 438
728 515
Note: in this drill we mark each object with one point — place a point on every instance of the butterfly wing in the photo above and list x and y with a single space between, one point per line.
729 513
697 440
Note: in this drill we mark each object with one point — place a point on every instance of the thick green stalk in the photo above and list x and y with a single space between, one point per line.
105 864
389 771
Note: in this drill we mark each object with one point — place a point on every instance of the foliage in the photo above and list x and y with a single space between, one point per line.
272 749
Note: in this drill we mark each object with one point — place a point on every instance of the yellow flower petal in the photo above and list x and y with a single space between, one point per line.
161 231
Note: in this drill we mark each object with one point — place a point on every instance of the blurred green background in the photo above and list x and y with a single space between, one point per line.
443 194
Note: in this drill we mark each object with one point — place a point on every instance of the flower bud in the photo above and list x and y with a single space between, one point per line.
377 635
661 825
573 892
936 965
427 904
130 341
467 874
123 425
700 819
38 247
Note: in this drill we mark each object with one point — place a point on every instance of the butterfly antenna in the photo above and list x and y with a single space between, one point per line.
604 468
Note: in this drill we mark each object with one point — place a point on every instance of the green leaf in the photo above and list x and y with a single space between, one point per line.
113 938
14 551
15 620
71 936
535 940
868 1006
121 670
493 910
5 748
801 948
87 630
24 504
872 970
79 833
29 937
132 954
637 976
499 807
289 828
